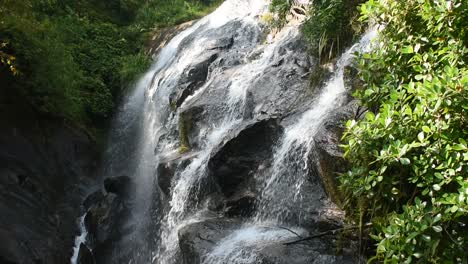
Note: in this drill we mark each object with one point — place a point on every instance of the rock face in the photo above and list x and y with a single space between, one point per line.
122 186
107 220
85 256
216 152
330 155
46 167
197 240
233 165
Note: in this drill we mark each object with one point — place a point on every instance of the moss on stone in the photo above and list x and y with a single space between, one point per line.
185 125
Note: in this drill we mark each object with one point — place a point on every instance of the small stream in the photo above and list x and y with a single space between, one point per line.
81 238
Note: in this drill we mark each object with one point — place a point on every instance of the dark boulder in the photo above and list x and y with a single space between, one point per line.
240 157
284 87
167 167
242 205
262 244
165 173
85 256
105 220
192 79
320 251
108 220
198 239
122 186
329 153
92 199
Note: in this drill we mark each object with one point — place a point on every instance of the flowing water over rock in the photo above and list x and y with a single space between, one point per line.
218 138
79 240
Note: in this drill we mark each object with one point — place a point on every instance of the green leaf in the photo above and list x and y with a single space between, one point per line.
407 50
405 161
438 229
462 141
426 129
426 238
454 209
436 187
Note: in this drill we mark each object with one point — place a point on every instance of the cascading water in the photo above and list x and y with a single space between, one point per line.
282 192
210 71
283 189
78 240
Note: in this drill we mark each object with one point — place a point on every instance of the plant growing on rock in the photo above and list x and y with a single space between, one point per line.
332 26
409 153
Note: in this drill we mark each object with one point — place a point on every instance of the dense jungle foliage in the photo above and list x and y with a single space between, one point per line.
331 27
73 58
408 154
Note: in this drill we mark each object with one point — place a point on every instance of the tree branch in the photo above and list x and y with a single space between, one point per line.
329 232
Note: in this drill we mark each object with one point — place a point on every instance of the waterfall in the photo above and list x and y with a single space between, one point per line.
212 68
282 192
283 189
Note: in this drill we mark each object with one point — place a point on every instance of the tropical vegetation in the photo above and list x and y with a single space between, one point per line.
73 59
409 155
407 187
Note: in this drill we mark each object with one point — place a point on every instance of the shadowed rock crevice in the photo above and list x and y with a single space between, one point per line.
239 159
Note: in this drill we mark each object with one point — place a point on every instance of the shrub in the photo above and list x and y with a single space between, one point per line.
409 153
331 26
280 9
73 58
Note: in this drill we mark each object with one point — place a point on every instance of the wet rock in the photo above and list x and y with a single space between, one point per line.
167 167
319 251
241 206
197 239
92 199
122 186
106 219
351 78
223 43
193 78
330 155
165 173
240 157
285 88
85 256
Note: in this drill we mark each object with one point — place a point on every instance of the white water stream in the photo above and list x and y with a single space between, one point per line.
79 240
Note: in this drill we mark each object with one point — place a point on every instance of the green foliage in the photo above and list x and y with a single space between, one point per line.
162 13
73 58
47 73
280 9
185 125
330 27
133 65
409 153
